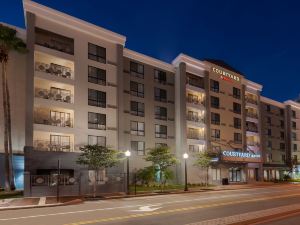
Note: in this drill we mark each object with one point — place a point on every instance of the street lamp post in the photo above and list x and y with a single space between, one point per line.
185 156
127 154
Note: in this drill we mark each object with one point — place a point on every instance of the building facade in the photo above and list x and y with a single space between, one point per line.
82 86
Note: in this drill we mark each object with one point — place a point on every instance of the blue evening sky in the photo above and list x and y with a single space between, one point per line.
258 37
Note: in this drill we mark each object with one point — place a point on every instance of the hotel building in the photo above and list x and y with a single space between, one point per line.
82 86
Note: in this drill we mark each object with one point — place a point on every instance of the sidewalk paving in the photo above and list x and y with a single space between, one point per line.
33 202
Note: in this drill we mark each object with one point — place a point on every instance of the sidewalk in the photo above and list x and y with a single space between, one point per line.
34 202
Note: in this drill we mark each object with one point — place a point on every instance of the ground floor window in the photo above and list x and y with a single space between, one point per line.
235 174
216 174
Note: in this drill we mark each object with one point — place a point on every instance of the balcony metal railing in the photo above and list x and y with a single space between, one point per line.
195 136
41 118
195 101
252 115
252 129
48 94
54 69
197 119
252 143
251 100
45 145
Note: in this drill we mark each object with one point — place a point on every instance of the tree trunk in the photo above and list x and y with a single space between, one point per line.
6 152
11 167
207 176
95 183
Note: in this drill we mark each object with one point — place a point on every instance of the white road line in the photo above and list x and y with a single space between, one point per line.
139 205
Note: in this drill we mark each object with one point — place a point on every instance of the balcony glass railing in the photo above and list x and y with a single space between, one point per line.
195 101
251 100
252 115
252 129
45 145
54 69
60 95
197 119
195 136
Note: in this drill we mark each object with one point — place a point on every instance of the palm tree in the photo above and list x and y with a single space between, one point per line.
8 42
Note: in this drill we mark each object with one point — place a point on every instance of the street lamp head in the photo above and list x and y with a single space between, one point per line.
185 155
127 153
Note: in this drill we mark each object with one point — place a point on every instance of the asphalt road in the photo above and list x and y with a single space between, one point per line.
176 209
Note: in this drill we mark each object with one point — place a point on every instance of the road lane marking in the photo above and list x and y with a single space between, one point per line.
145 209
179 210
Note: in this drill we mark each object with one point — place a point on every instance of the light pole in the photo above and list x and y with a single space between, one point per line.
185 156
127 154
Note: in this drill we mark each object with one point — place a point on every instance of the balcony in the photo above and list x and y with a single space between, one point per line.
195 101
54 69
195 135
252 115
251 101
252 143
46 145
196 119
52 118
252 129
54 94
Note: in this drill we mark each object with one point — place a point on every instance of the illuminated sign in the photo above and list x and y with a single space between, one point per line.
225 75
240 154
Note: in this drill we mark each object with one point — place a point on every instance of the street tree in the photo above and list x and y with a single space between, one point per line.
162 159
96 158
203 160
8 42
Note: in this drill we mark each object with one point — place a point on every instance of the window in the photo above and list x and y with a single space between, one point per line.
60 143
237 123
269 144
295 147
238 138
97 98
215 133
268 108
282 146
160 113
294 125
96 75
137 89
283 158
97 140
160 95
137 108
236 93
158 145
137 128
97 53
294 136
269 120
214 85
138 147
137 69
216 174
196 148
214 102
269 132
281 123
194 116
269 157
160 76
281 112
160 131
193 133
293 114
215 118
237 108
97 121
282 135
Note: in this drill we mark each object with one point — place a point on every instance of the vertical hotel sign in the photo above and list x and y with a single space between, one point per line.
225 75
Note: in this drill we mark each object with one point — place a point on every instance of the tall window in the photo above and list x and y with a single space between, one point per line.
160 131
97 140
293 114
215 118
193 133
281 123
160 95
160 113
282 146
215 133
281 112
160 76
294 136
237 123
238 138
269 144
137 89
268 108
137 128
97 121
295 147
137 69
236 93
137 108
269 132
294 125
195 80
97 98
215 102
269 120
281 135
97 53
60 143
214 85
237 108
138 147
96 75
